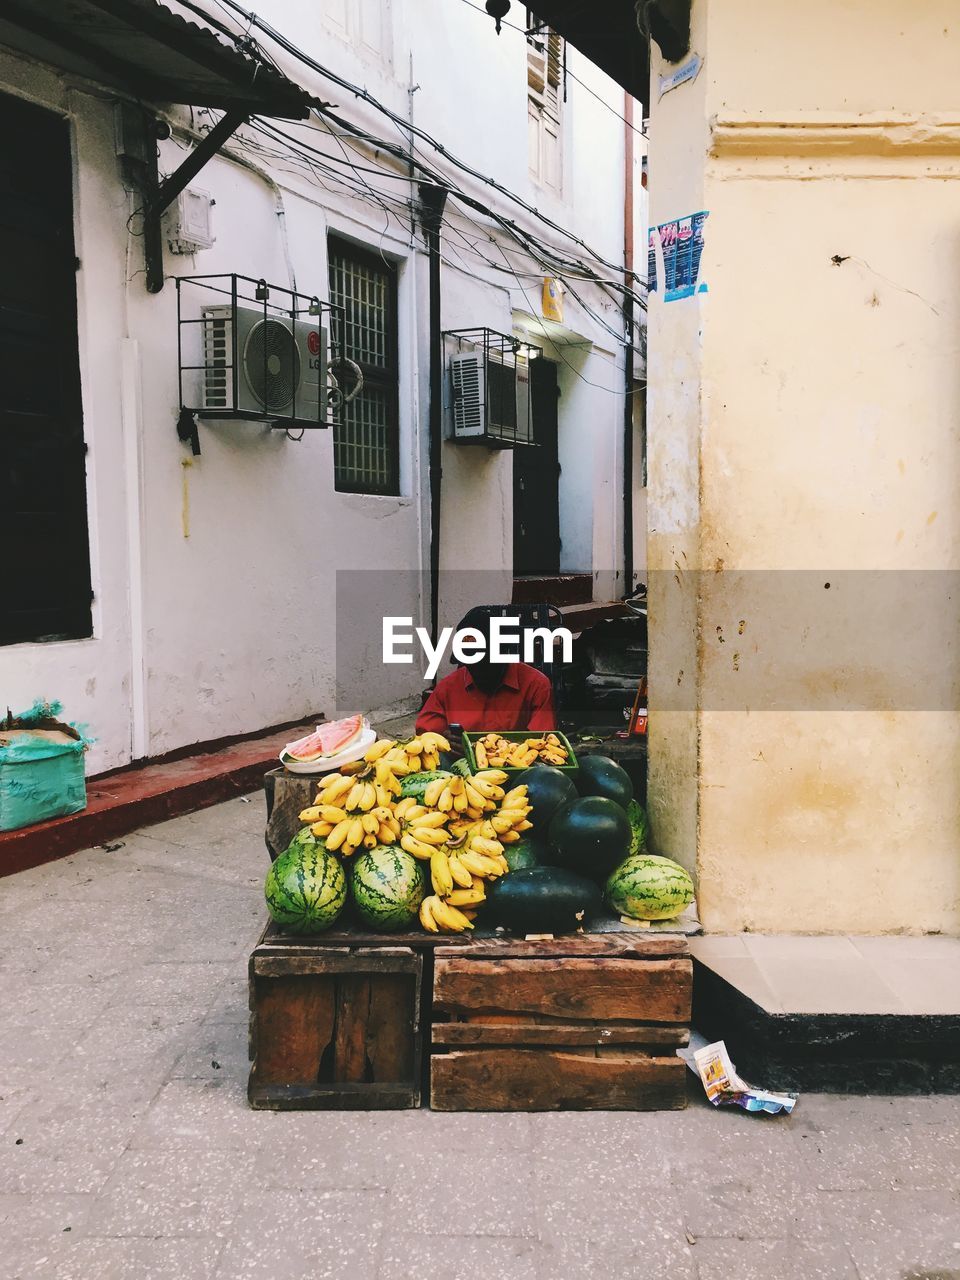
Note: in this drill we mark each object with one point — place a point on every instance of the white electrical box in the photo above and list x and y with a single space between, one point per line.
189 222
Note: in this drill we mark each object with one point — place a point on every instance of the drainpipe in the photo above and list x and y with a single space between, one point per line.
432 200
628 316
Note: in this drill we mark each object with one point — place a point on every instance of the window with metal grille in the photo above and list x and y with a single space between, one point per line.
366 436
546 60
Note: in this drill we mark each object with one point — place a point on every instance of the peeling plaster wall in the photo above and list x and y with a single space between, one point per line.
827 795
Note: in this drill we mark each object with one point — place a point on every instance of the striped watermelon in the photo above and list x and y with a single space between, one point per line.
646 887
305 889
638 826
387 887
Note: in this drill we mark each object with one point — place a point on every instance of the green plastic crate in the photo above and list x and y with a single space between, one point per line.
517 735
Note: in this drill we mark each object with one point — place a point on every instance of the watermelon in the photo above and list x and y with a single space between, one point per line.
601 776
305 889
306 842
646 887
639 826
415 784
590 836
526 852
543 900
328 740
387 887
547 789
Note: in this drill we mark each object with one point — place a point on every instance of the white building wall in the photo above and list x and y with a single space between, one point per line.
215 577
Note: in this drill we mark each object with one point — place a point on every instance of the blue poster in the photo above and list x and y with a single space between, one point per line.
681 243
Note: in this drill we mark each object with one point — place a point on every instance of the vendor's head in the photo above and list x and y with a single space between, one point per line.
485 673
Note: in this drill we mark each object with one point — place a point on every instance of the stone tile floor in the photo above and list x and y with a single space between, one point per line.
797 974
129 1151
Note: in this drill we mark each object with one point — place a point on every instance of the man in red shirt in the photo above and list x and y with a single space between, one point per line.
488 695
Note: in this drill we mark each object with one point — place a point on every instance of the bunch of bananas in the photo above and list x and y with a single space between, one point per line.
495 750
460 828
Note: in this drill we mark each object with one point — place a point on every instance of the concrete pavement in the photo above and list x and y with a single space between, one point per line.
129 1151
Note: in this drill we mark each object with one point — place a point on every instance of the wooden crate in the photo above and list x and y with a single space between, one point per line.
591 1022
334 1027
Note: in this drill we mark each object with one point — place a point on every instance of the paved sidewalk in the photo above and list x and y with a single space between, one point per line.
129 1152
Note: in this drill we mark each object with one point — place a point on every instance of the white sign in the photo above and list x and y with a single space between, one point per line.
688 70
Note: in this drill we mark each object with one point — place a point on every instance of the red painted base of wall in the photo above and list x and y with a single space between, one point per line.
120 802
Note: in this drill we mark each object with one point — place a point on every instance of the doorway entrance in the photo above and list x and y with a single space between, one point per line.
536 481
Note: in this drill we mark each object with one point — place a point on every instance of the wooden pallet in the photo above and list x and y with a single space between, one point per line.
334 1027
590 1022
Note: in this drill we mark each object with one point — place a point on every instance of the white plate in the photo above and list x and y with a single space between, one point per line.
330 764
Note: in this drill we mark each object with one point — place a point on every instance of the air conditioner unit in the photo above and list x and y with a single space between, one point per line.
276 368
491 399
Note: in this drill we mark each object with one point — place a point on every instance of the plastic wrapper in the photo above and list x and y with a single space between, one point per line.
725 1088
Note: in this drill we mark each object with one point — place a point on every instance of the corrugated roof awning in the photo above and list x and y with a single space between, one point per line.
147 50
614 34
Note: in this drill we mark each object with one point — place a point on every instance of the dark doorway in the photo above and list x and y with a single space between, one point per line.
536 481
46 576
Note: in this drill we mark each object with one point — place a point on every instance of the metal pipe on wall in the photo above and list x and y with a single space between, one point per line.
628 321
432 201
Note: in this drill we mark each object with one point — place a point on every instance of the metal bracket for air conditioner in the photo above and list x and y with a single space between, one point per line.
138 133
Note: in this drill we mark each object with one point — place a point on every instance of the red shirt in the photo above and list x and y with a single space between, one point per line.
523 701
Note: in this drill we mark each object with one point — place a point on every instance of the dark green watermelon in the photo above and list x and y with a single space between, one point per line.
528 851
542 900
601 776
547 789
305 890
306 841
590 836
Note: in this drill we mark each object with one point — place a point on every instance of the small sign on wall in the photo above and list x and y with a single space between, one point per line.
552 299
673 257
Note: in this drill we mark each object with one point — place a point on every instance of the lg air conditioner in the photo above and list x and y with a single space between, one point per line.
263 367
491 399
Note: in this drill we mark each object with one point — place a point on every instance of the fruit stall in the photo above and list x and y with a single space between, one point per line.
488 933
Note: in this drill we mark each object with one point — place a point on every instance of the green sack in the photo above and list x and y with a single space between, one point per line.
41 767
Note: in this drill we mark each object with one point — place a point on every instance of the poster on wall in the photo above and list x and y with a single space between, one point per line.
674 250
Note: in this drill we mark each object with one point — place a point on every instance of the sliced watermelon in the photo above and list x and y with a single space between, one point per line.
329 740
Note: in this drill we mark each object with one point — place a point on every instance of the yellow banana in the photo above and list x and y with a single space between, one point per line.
515 799
457 785
495 776
433 792
524 826
429 760
461 876
385 834
485 790
445 802
353 797
480 865
355 833
491 848
504 864
414 747
449 918
427 819
440 873
428 835
370 842
509 837
321 829
312 814
335 791
465 897
460 803
379 748
337 836
426 916
419 850
371 823
434 741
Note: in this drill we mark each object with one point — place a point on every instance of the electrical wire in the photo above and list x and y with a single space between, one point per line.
302 56
583 85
